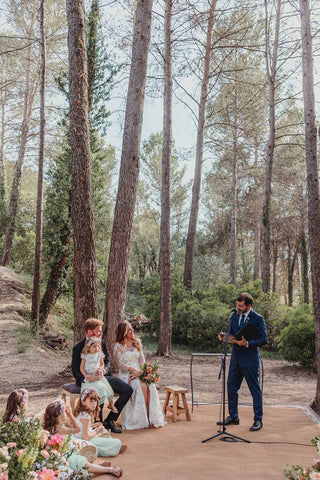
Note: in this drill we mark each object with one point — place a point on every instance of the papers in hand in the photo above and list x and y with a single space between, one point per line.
227 337
249 332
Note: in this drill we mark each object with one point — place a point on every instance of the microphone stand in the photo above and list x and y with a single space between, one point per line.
224 435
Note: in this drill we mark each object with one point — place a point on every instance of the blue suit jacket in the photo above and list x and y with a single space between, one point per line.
248 357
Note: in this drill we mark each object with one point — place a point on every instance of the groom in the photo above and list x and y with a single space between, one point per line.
93 328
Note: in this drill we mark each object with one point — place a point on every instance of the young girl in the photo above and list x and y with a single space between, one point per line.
17 402
55 417
91 363
86 413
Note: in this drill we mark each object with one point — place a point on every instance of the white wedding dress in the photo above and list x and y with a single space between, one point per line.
134 414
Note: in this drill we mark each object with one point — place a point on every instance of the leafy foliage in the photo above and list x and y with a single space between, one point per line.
297 340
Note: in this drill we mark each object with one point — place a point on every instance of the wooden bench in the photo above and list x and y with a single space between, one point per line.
175 408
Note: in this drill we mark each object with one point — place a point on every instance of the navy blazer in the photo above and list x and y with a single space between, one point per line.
76 360
248 356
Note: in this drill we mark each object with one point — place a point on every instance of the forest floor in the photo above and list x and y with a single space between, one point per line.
43 370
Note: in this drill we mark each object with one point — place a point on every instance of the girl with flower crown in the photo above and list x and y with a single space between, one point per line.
91 362
86 412
55 422
17 402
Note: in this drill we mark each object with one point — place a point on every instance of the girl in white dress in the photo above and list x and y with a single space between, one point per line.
59 419
92 361
86 411
143 409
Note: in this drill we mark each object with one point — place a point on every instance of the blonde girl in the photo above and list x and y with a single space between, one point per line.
55 421
92 363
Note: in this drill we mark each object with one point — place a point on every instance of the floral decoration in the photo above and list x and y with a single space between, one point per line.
296 472
150 372
27 452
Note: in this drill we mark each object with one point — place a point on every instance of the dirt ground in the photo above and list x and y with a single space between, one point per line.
43 371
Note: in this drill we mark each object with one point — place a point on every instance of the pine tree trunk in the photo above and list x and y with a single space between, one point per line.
305 267
188 263
58 274
312 178
164 344
85 265
128 178
274 264
271 72
257 220
38 244
29 94
234 201
3 203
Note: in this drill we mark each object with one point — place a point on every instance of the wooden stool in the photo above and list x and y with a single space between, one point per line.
175 408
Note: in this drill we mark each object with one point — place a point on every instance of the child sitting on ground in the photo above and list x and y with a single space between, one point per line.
86 412
55 421
17 402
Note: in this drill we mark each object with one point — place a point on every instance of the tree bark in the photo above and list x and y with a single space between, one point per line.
85 265
188 264
128 178
271 73
30 91
164 343
312 178
234 200
38 244
305 267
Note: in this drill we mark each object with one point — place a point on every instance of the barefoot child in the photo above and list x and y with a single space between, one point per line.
86 412
55 422
17 403
92 364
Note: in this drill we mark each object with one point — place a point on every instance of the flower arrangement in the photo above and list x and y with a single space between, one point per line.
150 372
309 473
27 452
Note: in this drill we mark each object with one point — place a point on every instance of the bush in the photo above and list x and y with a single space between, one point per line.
297 340
196 318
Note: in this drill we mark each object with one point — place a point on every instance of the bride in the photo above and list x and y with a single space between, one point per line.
143 409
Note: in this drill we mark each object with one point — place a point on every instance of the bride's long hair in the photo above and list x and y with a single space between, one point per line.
121 333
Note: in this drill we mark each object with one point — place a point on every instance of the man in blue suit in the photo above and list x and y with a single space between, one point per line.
244 360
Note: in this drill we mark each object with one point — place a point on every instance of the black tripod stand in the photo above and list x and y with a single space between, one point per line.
224 435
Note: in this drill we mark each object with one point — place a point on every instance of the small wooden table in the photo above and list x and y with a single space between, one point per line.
175 408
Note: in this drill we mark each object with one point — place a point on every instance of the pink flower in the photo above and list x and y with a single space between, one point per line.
55 440
4 475
45 454
19 452
11 444
48 474
314 475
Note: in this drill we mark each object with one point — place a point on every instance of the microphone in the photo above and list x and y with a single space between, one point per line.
233 311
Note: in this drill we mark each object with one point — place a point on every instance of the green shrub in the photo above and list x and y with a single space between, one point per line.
297 340
196 318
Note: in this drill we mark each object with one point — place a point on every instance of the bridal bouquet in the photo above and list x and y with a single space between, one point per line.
150 372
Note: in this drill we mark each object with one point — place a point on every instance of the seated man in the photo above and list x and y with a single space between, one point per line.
93 328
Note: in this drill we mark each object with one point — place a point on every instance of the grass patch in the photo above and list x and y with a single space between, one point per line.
26 338
61 317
